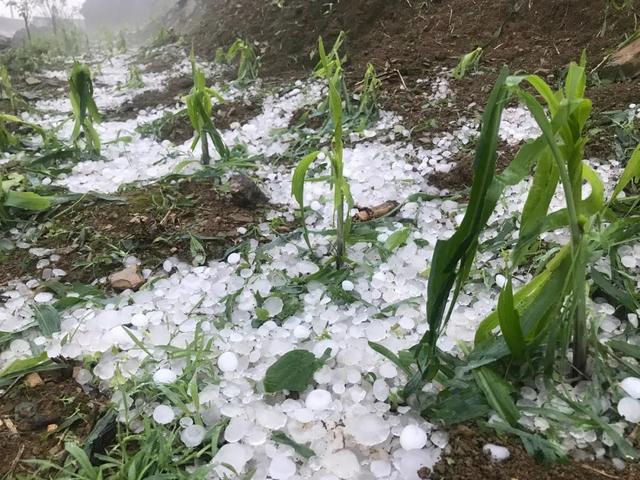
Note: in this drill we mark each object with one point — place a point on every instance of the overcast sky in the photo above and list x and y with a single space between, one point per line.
4 10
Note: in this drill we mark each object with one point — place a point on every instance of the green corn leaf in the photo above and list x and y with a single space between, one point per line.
397 239
392 357
26 201
302 450
450 256
631 171
510 322
48 319
498 394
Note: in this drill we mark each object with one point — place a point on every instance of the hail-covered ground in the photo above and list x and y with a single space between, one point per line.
346 417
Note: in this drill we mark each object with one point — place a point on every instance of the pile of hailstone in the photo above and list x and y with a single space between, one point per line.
345 417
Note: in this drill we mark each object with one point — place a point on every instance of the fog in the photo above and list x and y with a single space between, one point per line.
123 13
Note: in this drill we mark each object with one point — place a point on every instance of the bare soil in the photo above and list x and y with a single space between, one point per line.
467 461
27 412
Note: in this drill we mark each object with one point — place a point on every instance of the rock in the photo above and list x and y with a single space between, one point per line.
245 193
126 279
52 428
625 63
33 380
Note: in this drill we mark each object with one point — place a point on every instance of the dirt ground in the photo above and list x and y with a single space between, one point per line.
35 421
150 223
467 461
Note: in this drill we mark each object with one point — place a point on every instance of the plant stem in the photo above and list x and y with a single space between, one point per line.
339 229
206 158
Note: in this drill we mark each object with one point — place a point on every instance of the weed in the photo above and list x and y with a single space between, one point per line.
7 90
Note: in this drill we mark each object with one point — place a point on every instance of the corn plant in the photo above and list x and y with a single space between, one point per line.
134 78
122 42
9 140
356 114
467 63
551 308
12 199
6 89
249 63
85 112
199 108
332 72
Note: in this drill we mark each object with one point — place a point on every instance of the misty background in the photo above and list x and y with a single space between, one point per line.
92 14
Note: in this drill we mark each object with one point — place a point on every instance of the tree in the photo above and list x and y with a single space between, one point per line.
54 9
25 11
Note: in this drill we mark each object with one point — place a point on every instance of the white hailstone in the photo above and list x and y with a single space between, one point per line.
618 463
439 439
388 370
380 468
193 436
186 422
368 430
348 286
413 437
83 376
301 332
410 462
105 370
235 455
43 297
318 400
631 385
163 414
501 281
270 418
281 467
629 408
19 346
380 390
541 424
228 362
343 464
376 332
164 376
273 306
496 452
234 258
238 427
628 261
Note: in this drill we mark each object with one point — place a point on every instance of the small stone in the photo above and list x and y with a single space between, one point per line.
245 193
52 428
127 279
33 380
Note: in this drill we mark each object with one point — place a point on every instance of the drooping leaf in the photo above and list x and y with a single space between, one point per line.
48 319
302 450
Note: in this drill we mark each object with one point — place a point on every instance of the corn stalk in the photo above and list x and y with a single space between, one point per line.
199 109
84 109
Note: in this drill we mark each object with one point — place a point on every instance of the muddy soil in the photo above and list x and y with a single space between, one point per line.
150 223
467 461
175 89
35 421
